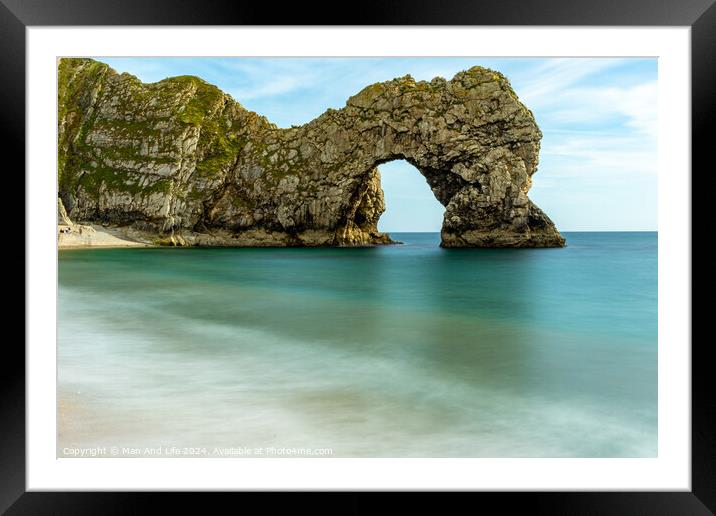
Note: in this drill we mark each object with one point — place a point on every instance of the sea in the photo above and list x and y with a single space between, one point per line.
405 350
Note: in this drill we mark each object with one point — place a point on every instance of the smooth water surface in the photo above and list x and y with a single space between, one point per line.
393 351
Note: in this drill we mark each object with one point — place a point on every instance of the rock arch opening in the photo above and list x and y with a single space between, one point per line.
410 204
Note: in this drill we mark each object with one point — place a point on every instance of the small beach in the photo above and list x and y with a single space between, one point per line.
79 236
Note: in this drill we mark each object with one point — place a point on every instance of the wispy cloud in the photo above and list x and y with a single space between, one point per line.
637 105
279 86
547 80
603 157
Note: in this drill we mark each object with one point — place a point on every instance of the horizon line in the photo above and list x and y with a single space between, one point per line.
561 231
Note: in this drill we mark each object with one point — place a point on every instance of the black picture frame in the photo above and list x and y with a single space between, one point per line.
700 15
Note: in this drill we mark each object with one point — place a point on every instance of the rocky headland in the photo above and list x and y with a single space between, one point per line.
179 162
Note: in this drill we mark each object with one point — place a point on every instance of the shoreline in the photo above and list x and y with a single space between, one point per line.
93 236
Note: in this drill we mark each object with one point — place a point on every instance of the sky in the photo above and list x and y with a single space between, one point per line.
598 160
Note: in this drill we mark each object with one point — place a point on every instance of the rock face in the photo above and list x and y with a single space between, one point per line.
182 162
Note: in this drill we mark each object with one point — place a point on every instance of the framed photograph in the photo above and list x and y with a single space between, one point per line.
434 250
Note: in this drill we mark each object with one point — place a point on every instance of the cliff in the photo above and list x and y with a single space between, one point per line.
179 162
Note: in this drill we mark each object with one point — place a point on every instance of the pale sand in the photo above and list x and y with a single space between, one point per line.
74 421
68 415
79 419
89 428
93 236
83 421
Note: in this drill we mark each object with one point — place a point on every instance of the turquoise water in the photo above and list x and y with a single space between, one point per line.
394 351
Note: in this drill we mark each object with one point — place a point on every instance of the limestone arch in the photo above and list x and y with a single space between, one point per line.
179 157
471 138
